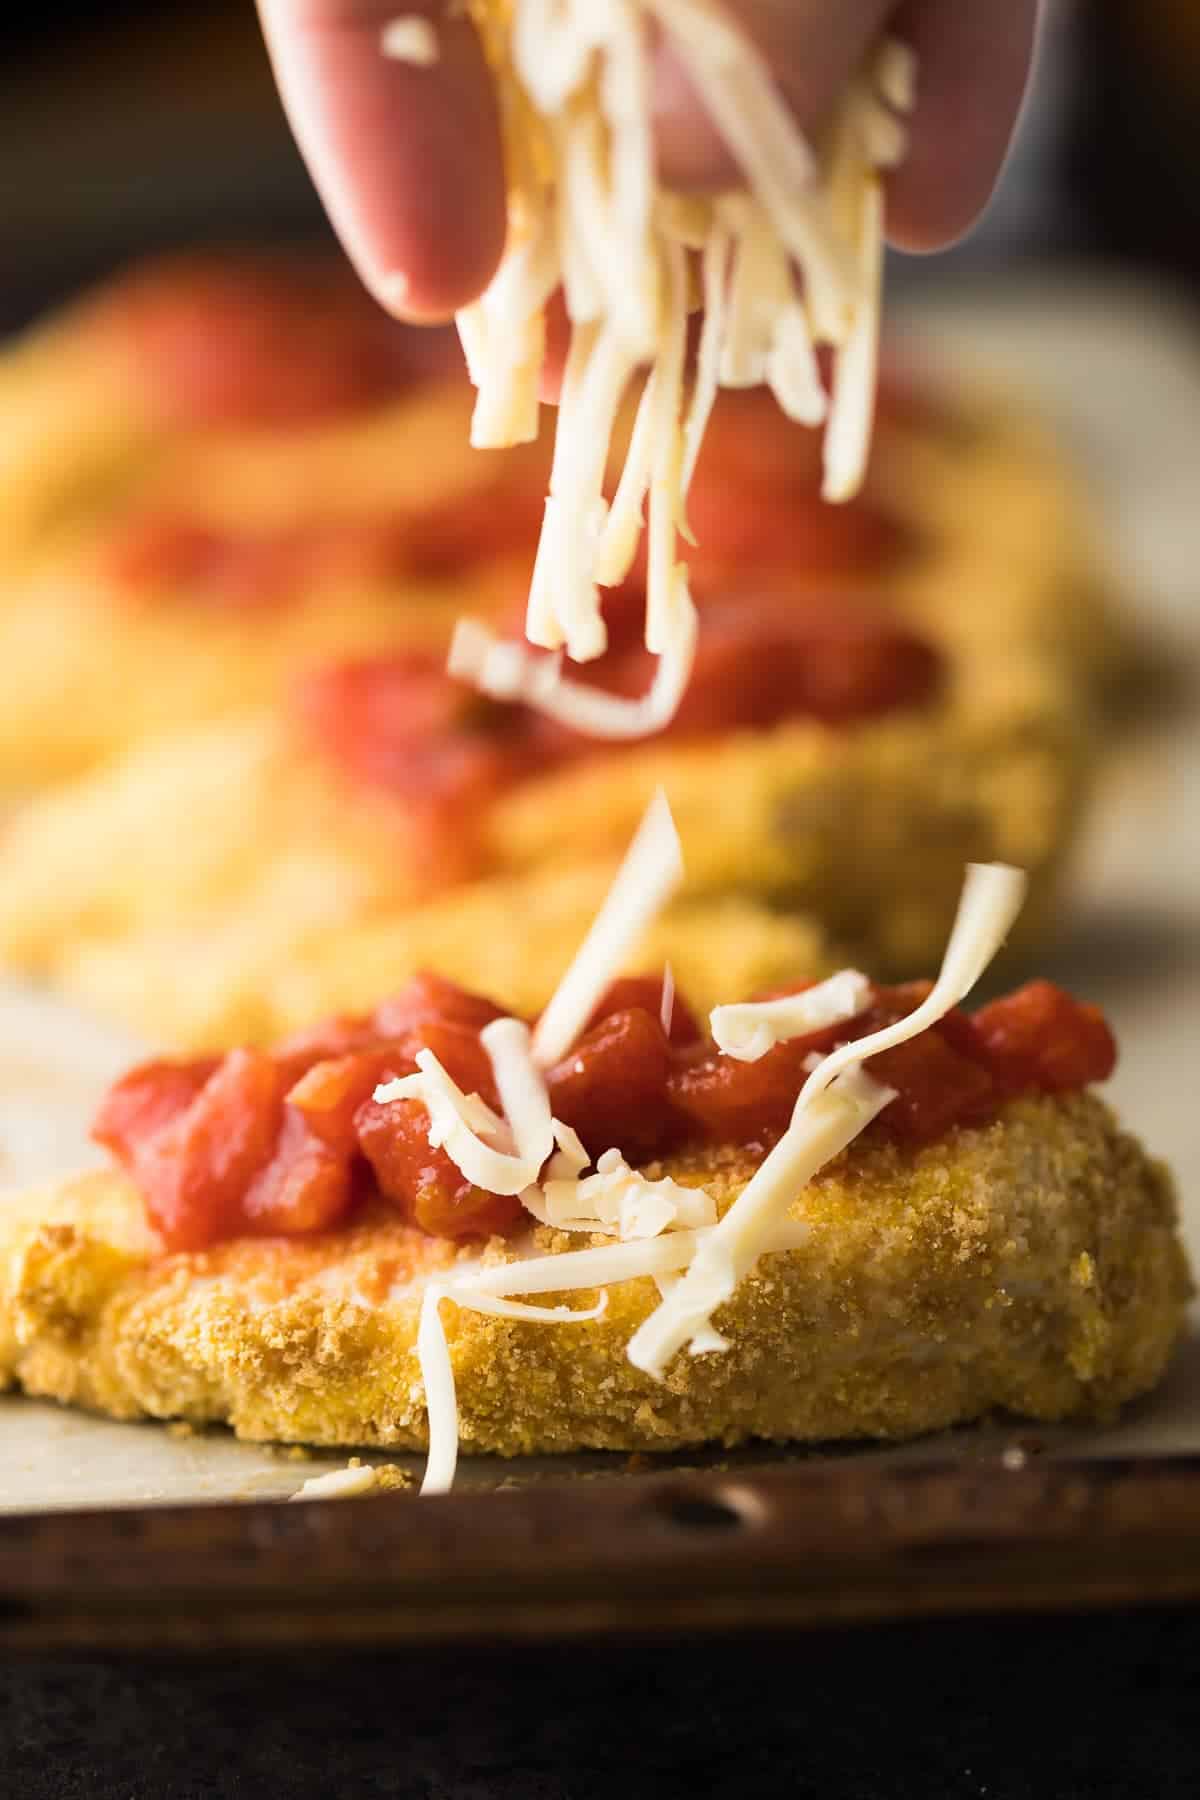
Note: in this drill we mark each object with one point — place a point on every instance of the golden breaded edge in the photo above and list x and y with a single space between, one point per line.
1032 1266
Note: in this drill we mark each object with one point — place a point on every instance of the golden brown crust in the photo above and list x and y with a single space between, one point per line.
89 669
293 893
1032 1265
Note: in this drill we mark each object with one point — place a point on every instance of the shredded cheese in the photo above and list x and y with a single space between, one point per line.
792 263
666 1011
658 1229
747 1031
410 39
650 874
619 1200
488 1289
837 1101
338 1484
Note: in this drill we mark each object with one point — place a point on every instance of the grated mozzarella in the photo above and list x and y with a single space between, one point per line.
460 1124
747 1031
621 1201
792 263
410 39
649 875
838 1100
601 1266
658 1229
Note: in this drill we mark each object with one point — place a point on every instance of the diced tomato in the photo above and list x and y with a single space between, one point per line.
329 1094
612 1088
937 1088
142 1102
195 1171
260 339
762 660
465 530
328 1041
431 997
305 1187
1042 1038
426 1187
646 992
724 1101
256 1143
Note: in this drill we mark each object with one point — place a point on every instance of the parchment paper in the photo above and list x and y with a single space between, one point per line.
1119 370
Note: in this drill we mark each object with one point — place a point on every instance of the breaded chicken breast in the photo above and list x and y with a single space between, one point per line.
223 884
1030 1265
237 560
251 345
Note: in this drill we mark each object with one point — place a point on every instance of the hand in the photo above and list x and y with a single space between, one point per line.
407 160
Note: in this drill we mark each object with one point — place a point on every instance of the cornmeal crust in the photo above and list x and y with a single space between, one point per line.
223 886
1031 1265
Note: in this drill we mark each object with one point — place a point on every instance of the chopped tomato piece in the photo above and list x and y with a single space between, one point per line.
1043 1038
329 1041
725 1101
142 1102
612 1088
428 996
465 530
260 339
195 1171
329 1094
423 1183
646 992
937 1088
305 1187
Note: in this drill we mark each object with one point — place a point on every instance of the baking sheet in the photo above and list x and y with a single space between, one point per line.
1119 370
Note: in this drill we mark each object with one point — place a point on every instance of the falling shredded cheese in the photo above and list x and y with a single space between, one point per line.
792 263
666 1013
650 874
411 40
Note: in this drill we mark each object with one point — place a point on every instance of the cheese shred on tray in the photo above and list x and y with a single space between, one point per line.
790 265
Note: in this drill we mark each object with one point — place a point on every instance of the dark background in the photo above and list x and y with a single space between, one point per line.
152 123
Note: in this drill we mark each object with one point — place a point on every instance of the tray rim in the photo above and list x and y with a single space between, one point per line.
644 1556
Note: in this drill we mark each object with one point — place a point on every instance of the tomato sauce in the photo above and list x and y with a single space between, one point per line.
403 725
246 569
259 339
282 1142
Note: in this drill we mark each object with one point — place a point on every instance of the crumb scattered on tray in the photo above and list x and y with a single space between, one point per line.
355 1479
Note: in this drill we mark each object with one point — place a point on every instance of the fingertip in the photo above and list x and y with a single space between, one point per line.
406 158
974 64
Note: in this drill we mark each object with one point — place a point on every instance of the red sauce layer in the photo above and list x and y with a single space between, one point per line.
255 338
164 554
402 724
282 1142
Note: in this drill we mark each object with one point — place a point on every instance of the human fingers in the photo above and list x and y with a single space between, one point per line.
405 156
974 58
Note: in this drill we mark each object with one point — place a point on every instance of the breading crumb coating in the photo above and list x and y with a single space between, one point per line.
1032 1265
